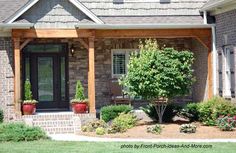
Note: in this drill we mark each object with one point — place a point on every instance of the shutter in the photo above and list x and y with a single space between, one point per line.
220 72
232 73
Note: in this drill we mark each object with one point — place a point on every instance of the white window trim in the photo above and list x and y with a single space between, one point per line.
227 75
127 53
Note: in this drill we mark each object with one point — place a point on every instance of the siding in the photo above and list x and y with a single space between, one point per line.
54 14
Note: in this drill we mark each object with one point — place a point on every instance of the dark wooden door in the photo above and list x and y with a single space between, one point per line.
48 76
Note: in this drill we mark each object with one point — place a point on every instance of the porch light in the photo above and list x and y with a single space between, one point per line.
72 50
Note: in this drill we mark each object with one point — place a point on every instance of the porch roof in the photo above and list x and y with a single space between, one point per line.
128 12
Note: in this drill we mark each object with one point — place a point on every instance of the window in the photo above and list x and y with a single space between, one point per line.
120 60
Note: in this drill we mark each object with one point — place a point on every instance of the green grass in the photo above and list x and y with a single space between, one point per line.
108 147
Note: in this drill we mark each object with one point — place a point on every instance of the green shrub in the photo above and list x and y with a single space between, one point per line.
1 116
20 132
188 128
100 131
190 111
212 109
110 112
92 126
192 108
170 112
123 122
226 123
156 129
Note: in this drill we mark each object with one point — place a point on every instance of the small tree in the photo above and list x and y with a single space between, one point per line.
28 93
159 73
79 93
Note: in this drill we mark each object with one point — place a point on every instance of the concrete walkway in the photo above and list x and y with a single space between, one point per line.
73 137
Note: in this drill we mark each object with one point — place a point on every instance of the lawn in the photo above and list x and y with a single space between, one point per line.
111 147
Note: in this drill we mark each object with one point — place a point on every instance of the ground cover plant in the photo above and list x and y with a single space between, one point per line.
156 129
20 132
120 124
188 128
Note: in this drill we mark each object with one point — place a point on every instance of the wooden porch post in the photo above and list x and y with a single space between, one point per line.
210 73
17 75
91 76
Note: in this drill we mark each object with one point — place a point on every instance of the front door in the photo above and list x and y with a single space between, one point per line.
46 67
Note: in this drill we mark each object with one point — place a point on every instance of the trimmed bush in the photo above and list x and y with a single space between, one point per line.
20 132
1 116
156 129
190 112
212 109
110 112
187 128
192 108
100 131
122 123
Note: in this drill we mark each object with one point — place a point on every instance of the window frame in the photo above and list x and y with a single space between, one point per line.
126 52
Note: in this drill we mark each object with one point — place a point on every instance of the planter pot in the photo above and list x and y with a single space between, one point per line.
79 107
29 109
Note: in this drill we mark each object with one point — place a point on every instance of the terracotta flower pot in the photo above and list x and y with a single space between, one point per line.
79 107
29 109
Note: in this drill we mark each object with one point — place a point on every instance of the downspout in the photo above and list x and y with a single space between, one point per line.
214 60
205 17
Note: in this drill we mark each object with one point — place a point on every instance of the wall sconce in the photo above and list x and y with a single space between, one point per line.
72 50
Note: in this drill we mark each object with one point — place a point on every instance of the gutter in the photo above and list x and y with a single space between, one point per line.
214 5
16 25
142 26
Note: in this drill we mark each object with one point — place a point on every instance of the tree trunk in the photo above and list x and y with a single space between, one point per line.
160 106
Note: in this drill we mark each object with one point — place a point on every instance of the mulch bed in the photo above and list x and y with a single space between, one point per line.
171 131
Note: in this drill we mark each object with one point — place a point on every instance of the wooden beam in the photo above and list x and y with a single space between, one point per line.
25 43
83 42
210 70
152 33
17 75
51 33
91 76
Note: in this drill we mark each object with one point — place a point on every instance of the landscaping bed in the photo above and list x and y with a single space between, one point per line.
170 131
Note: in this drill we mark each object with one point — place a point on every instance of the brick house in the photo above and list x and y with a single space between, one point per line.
224 13
37 38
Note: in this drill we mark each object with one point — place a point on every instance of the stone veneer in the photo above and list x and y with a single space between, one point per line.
78 68
6 79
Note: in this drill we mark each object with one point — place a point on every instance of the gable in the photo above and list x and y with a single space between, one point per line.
54 14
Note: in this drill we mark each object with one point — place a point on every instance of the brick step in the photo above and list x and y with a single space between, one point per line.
53 123
59 130
58 123
49 116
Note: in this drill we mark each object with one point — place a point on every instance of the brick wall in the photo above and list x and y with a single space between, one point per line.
6 79
225 34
